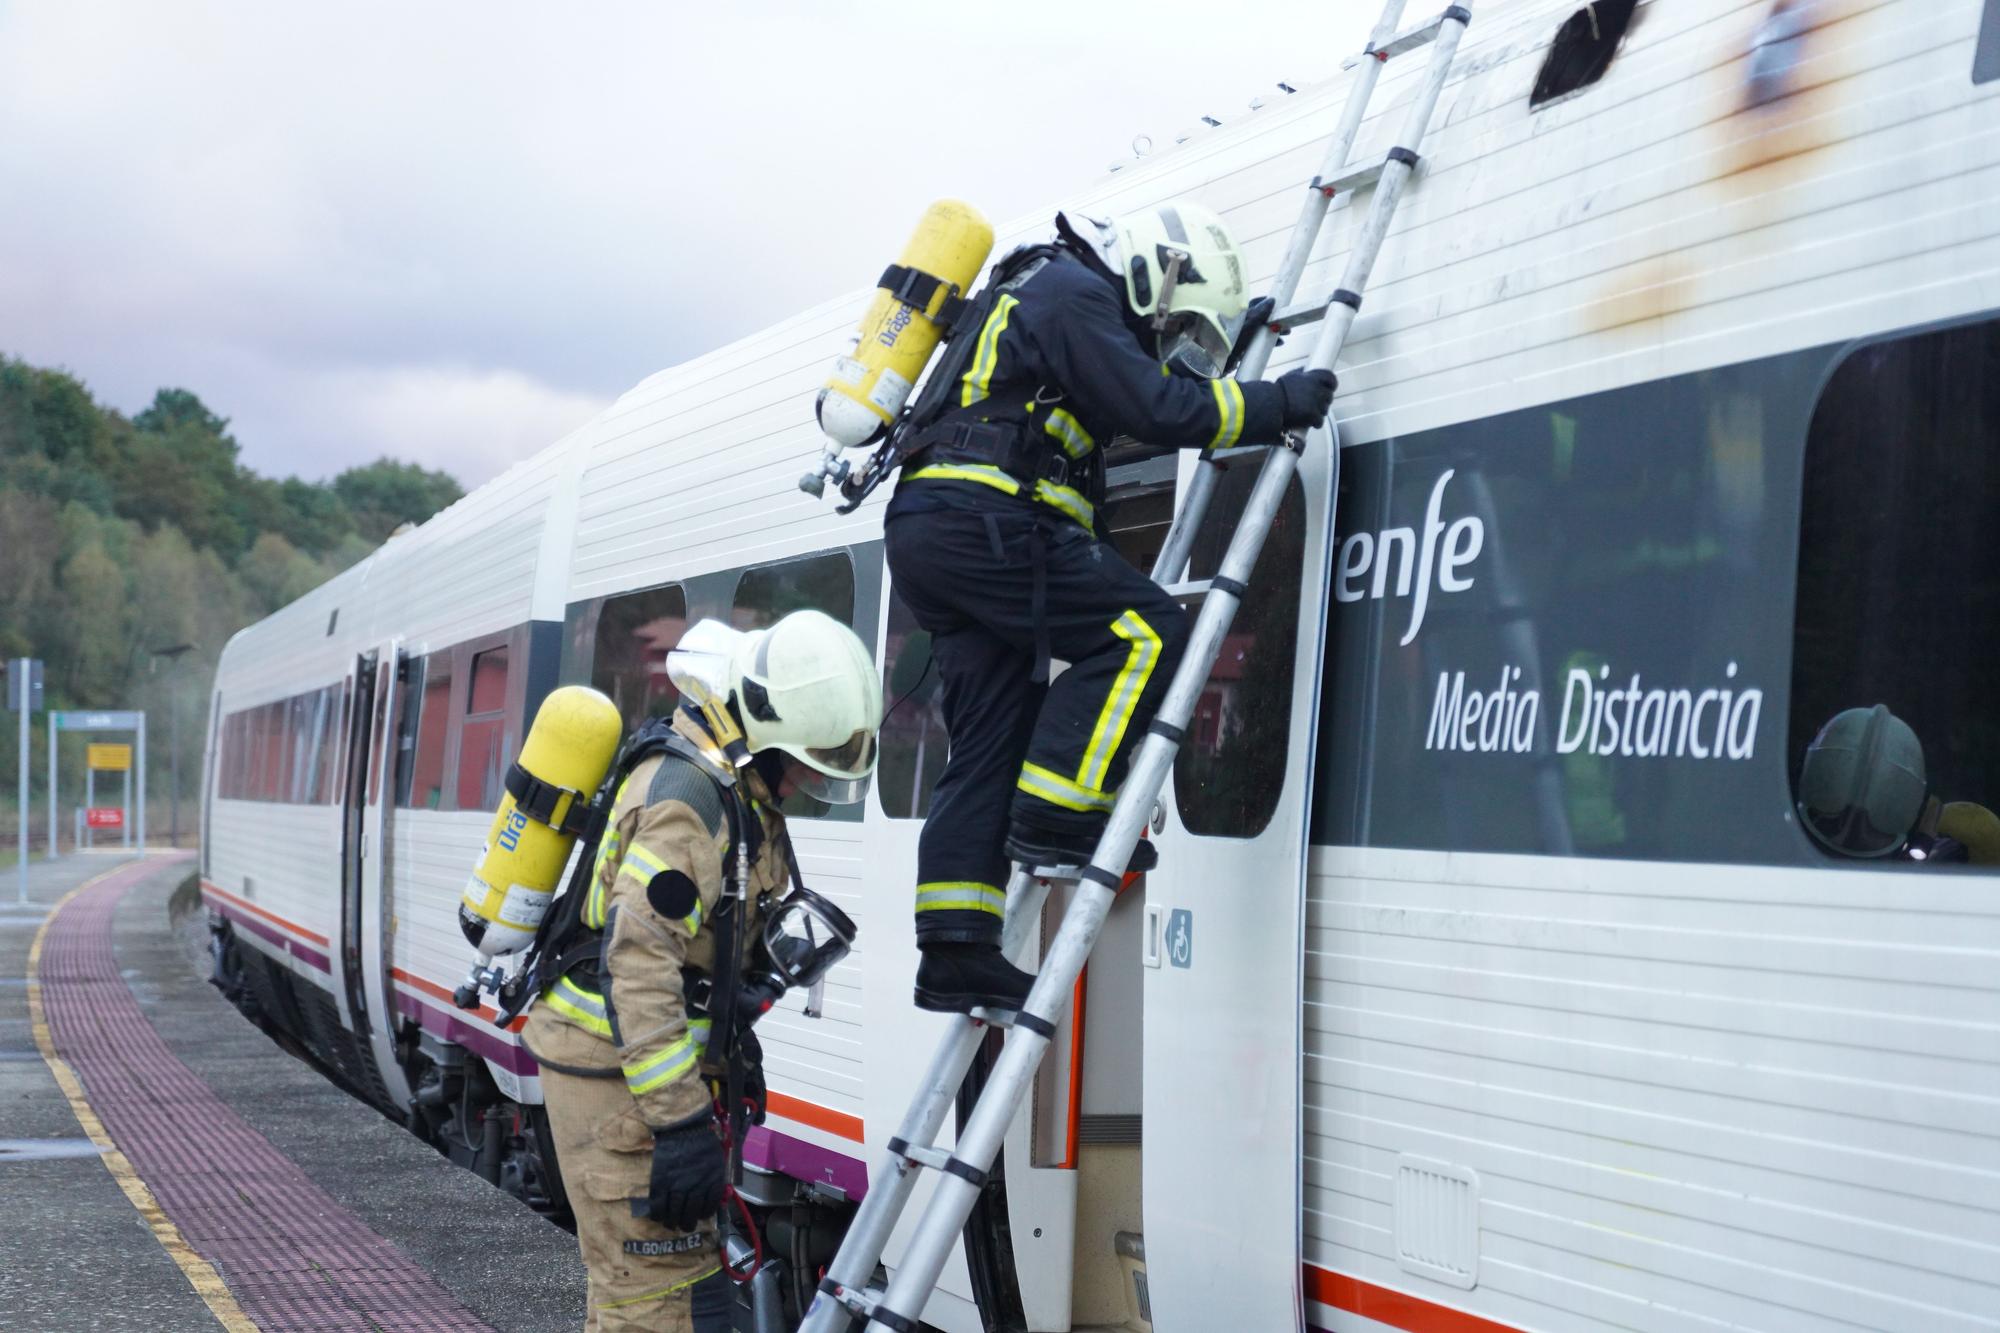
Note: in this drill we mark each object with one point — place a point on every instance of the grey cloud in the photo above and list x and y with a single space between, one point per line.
310 216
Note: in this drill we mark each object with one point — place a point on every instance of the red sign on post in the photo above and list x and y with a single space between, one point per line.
104 816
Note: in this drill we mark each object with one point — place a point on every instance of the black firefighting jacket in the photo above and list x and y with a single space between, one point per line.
1061 367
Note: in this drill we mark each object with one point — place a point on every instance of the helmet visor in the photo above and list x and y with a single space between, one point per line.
836 774
826 788
1194 341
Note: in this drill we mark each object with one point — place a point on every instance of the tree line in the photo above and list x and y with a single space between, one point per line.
123 536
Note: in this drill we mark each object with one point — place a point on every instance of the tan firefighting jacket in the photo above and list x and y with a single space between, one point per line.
667 827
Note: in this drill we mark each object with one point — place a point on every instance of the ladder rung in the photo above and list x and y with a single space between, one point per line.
934 1158
1366 173
1298 317
1410 38
1192 588
863 1302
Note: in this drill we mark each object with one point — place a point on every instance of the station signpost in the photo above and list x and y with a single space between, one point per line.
115 758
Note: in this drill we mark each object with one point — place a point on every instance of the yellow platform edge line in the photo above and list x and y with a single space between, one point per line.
201 1275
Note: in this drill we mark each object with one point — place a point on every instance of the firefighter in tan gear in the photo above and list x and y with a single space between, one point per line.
624 1038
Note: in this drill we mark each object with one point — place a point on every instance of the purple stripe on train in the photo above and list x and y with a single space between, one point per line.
270 934
804 1161
443 1023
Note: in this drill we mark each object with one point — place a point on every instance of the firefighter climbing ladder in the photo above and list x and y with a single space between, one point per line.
845 1298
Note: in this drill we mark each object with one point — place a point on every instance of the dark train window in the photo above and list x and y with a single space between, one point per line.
768 593
482 742
1583 50
1899 603
1229 774
913 734
1986 56
629 658
430 697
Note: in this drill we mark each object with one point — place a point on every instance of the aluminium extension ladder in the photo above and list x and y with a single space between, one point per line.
845 1299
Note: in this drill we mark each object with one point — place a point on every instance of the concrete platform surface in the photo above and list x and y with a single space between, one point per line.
165 1166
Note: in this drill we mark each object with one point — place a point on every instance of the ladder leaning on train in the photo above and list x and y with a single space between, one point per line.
962 1171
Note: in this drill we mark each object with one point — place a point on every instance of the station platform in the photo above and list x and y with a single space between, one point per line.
165 1166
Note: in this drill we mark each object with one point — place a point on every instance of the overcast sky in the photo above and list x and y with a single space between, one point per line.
451 232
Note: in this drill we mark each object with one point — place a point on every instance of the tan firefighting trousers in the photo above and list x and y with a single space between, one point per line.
640 1271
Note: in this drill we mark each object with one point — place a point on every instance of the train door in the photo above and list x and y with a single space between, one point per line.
361 728
364 858
1221 940
376 920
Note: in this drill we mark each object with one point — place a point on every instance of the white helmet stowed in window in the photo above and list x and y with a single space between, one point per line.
805 685
1183 270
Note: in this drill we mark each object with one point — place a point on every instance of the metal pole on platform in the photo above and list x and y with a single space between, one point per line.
125 825
89 803
142 785
54 727
19 695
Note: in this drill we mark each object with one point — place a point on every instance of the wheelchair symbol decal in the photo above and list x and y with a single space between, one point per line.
1180 937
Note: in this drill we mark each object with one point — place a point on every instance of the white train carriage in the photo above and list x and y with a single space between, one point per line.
1488 980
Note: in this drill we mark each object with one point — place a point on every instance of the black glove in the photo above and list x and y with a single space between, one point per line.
753 1073
1255 316
688 1174
1308 395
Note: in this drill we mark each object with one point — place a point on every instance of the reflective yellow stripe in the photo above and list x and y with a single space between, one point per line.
1058 790
1076 441
693 919
987 355
982 473
642 865
682 1285
1228 412
593 908
607 851
961 896
1067 499
582 1007
655 1071
1124 697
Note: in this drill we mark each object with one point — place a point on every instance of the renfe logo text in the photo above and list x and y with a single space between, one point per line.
1445 549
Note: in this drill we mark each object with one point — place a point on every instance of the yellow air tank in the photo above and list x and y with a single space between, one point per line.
904 323
569 749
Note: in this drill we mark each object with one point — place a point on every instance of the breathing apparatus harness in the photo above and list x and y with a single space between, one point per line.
920 431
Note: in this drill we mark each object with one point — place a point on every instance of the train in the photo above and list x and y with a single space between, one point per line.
1489 979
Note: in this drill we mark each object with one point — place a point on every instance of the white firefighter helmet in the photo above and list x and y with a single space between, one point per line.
805 686
1182 270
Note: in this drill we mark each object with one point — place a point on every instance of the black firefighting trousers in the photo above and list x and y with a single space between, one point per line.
1047 757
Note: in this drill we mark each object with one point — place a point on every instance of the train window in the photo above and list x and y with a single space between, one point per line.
629 660
1898 620
1582 50
338 702
913 734
1228 776
229 758
271 771
430 696
768 593
305 723
482 743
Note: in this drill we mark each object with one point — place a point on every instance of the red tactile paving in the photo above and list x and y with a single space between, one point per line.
292 1256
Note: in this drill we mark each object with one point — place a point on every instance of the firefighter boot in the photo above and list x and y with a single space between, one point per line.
956 978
